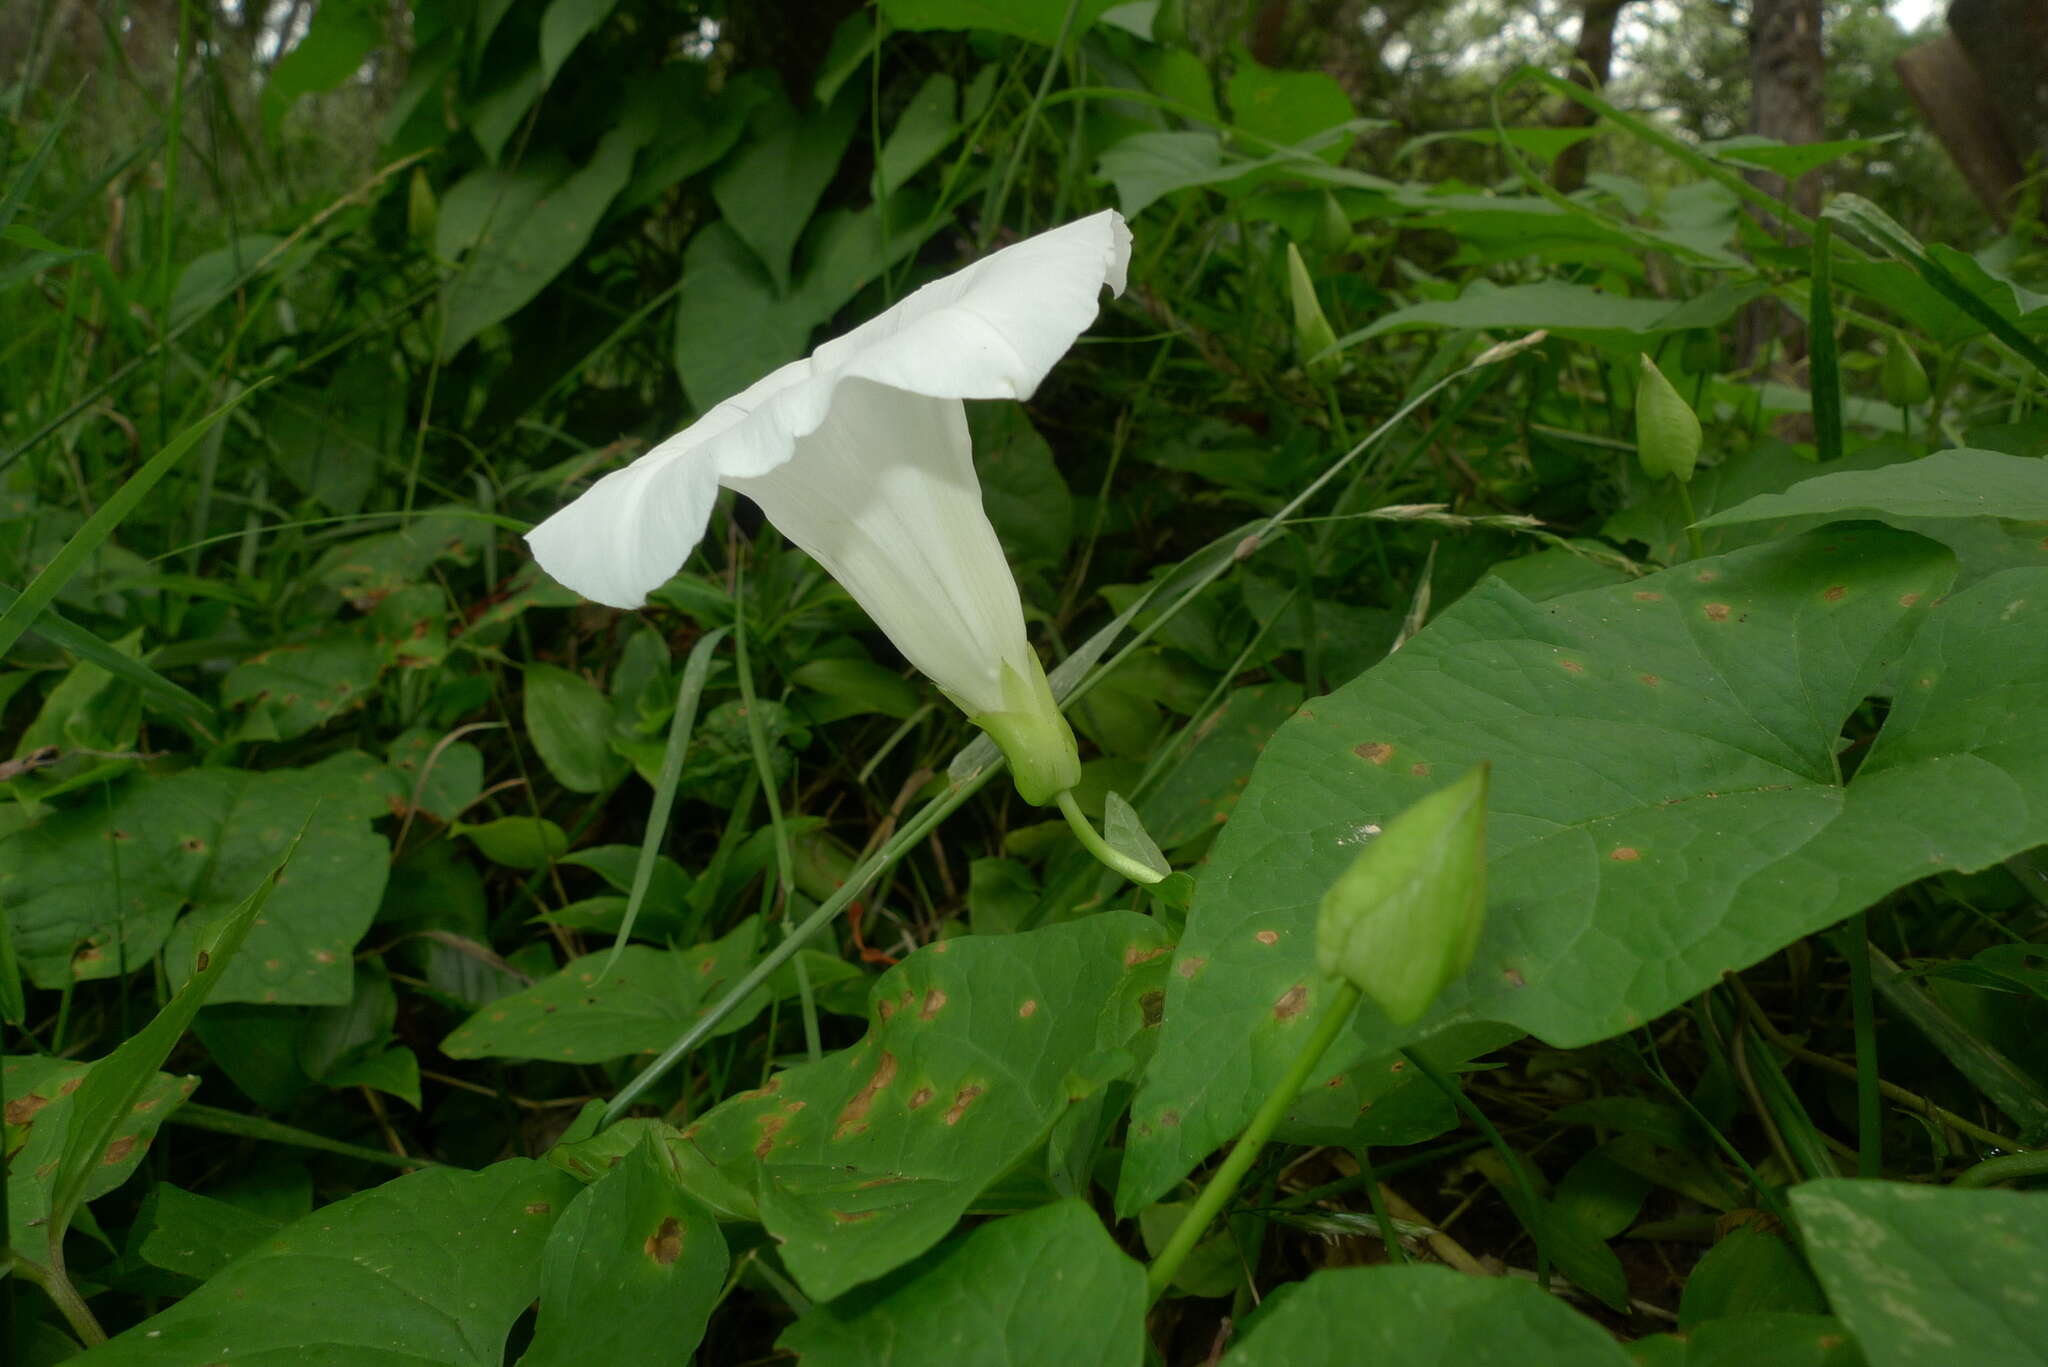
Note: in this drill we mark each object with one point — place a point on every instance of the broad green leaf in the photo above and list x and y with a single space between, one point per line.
1086 1298
371 568
1956 483
563 26
1666 802
97 886
1779 1340
301 687
923 130
432 1268
342 33
440 779
769 187
41 1094
570 723
92 651
517 842
526 239
1211 764
1749 1272
196 1236
586 1014
107 1110
1287 107
1037 20
1420 1317
867 1158
732 327
1027 500
1929 1276
1791 160
855 687
1567 309
631 1272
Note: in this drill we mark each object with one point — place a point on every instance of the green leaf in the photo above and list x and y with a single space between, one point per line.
769 187
570 724
856 687
1288 107
1037 20
517 842
432 1268
1420 1317
1666 800
586 1014
41 1094
1930 1276
1086 1299
1779 1340
196 1236
98 885
923 130
1570 310
105 1101
867 1158
522 228
341 35
632 1270
1027 500
1211 764
1748 1272
1791 160
756 332
563 26
1956 483
301 687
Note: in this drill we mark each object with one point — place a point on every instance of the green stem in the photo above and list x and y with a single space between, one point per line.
1692 532
2004 1168
1863 1003
1223 1185
1530 1199
1389 1235
1094 843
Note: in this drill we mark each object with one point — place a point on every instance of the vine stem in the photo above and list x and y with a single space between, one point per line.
1223 1185
1122 863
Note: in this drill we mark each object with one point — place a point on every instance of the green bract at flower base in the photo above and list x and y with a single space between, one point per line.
1404 919
1033 736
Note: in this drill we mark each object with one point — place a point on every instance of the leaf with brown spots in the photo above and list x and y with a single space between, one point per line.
1641 840
634 1262
980 1051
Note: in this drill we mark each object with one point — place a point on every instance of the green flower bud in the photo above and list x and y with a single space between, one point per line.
1667 430
1404 919
1033 736
1333 226
1905 379
1312 331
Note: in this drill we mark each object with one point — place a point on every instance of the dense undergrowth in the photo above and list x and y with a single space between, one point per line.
326 807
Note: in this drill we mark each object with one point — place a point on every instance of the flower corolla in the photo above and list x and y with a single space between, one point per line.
860 455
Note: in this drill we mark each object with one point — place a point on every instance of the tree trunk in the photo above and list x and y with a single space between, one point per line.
1786 69
1592 59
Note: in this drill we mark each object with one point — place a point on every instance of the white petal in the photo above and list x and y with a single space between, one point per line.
993 329
632 530
885 497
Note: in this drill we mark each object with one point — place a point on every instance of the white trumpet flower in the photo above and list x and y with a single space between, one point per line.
860 455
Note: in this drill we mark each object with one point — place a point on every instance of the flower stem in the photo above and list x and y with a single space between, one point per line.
1222 1186
1094 843
1692 533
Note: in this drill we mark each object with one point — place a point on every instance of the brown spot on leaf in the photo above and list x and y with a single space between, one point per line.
200 961
1649 679
1170 1119
1571 666
1418 770
1716 612
1514 978
1379 752
1152 1007
1292 1002
1027 1010
539 1208
934 1002
119 835
853 1119
1190 966
23 1109
1647 597
1268 937
1835 593
921 1098
119 1149
194 845
962 1099
1907 600
852 1217
1625 854
1707 576
665 1245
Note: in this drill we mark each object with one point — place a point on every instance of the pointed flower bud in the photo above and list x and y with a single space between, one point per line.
1404 920
1313 334
860 455
1667 430
1904 378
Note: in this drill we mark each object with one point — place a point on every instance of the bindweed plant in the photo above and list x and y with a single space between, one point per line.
556 557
